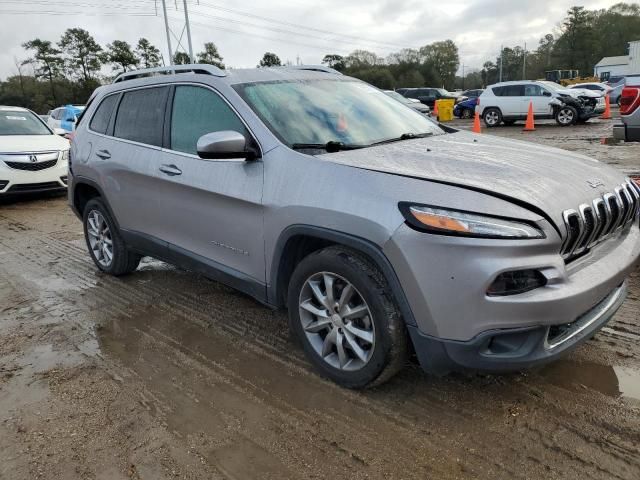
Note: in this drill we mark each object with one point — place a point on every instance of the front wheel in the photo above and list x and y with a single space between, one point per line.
106 247
492 117
566 116
342 311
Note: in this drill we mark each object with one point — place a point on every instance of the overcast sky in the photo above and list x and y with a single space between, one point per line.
308 28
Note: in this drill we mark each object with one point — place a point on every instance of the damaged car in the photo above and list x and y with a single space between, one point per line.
508 102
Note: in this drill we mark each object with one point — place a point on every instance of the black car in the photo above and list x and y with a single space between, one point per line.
428 96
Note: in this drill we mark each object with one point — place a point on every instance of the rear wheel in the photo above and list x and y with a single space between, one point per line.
342 311
492 117
566 116
106 247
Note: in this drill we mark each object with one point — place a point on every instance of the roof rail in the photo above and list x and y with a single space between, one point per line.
202 68
315 68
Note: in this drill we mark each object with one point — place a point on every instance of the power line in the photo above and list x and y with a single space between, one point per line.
274 39
298 26
90 14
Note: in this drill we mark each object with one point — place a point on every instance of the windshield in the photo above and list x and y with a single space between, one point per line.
445 93
20 122
398 97
323 111
552 86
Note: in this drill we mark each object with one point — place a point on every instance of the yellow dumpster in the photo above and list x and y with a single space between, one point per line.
445 109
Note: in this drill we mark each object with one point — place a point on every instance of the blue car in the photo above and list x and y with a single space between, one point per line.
466 108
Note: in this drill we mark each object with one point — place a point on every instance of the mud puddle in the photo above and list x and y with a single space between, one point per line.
613 381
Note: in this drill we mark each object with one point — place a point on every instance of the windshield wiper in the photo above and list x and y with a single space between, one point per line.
331 146
404 136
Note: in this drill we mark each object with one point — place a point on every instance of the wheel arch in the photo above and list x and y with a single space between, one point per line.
298 241
85 190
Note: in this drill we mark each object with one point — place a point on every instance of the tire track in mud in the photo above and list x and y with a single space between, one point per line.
404 412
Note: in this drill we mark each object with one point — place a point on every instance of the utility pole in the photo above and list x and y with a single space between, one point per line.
186 20
501 52
463 76
524 62
166 26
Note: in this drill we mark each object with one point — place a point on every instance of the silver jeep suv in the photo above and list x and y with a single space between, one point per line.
383 233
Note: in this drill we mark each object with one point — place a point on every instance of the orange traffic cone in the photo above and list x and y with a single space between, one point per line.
435 109
529 126
476 124
607 108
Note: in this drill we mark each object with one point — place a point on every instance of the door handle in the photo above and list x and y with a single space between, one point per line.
103 154
170 170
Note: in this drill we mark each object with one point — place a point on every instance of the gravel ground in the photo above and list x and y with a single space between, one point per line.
164 374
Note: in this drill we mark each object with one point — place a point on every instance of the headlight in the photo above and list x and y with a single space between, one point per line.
65 156
454 222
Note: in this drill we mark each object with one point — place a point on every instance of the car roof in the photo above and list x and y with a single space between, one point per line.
211 73
13 109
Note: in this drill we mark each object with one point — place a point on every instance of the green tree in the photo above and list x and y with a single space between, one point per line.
362 59
211 55
443 58
148 54
82 53
379 77
181 58
46 61
333 60
119 54
270 60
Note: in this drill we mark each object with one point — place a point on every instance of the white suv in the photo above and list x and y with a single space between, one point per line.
509 101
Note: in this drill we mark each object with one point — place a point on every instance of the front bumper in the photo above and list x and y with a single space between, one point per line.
445 280
514 349
14 182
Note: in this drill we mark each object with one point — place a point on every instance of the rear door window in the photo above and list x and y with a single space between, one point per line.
197 111
100 120
140 115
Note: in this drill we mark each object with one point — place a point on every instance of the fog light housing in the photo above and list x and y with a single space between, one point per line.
64 179
3 184
515 282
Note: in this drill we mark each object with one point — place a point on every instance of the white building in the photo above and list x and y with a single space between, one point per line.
621 65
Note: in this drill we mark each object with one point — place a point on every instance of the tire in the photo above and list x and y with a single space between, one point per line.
566 115
466 113
385 350
509 123
492 117
97 220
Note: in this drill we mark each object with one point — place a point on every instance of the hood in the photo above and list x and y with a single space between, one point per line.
580 92
32 143
549 179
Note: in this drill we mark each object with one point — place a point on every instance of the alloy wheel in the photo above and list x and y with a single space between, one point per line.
492 118
565 116
337 321
100 238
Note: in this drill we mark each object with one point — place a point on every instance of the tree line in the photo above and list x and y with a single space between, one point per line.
69 70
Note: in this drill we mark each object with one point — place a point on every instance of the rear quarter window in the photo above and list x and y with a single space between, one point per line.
140 116
100 121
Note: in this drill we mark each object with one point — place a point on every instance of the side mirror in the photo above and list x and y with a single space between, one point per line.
546 94
224 145
60 131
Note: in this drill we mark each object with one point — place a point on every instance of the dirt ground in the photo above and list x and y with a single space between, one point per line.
164 374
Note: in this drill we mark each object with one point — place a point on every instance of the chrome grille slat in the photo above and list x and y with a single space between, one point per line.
593 223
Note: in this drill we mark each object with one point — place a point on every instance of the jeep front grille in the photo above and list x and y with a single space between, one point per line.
592 223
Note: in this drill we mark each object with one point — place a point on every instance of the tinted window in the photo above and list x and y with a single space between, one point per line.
100 120
509 91
141 115
196 112
533 91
